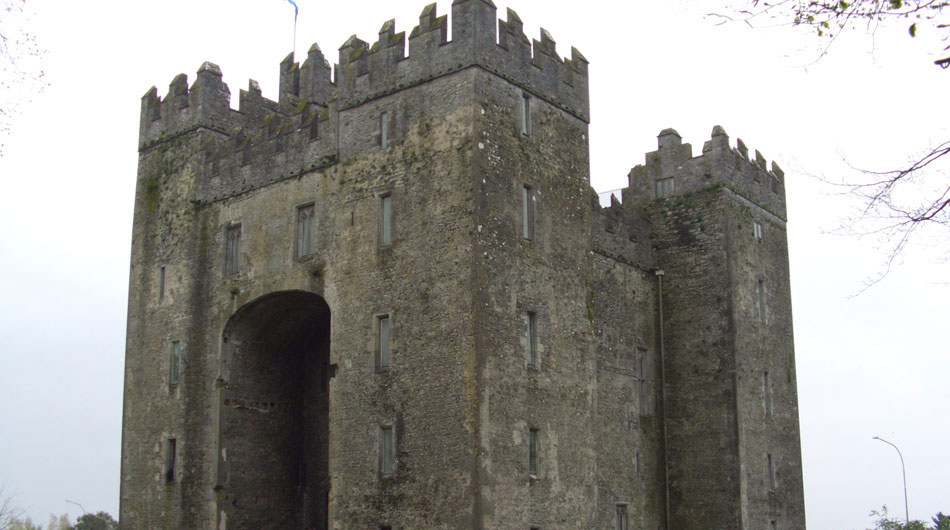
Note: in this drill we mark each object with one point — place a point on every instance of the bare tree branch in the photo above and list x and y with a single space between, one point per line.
21 63
895 204
9 512
829 18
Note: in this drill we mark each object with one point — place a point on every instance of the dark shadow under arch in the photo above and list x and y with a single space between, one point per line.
273 413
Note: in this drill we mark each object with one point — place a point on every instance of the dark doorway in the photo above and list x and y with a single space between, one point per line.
273 470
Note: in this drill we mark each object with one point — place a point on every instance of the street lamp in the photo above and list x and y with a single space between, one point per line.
84 512
904 471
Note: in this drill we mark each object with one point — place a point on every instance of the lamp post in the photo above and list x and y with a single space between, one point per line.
84 512
904 472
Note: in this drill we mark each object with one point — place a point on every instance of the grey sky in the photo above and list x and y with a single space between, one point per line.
874 364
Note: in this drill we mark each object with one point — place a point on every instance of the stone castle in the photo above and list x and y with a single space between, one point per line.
391 300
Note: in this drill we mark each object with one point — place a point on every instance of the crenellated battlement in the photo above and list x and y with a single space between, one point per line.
672 169
261 141
264 139
205 103
367 71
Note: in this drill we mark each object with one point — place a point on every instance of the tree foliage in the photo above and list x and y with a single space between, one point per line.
25 524
941 521
884 522
60 522
97 521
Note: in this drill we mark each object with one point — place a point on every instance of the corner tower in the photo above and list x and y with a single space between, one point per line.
731 405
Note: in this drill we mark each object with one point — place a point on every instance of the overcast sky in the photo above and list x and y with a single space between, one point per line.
872 364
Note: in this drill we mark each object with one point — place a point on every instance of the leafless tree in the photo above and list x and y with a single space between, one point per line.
830 18
899 203
21 63
9 512
896 203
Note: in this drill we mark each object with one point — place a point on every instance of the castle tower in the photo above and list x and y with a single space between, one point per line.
390 299
731 406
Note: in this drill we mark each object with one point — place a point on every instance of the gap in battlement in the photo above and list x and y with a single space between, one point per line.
603 197
450 25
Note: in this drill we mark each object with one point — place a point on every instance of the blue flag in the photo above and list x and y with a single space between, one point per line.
295 8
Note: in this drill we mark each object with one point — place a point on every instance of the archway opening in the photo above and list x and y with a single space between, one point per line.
273 435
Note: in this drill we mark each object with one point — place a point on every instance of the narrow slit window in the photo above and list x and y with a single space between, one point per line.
760 300
161 283
533 452
315 128
384 130
174 363
528 212
757 230
637 462
303 244
525 114
385 220
771 470
622 517
171 455
644 387
383 341
531 339
386 451
232 261
767 392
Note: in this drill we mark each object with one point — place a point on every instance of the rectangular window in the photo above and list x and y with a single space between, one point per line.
174 363
303 232
528 201
622 517
664 187
384 130
531 339
386 451
757 230
525 114
637 462
161 283
232 252
772 525
767 392
382 341
385 220
760 301
771 470
533 452
315 128
171 455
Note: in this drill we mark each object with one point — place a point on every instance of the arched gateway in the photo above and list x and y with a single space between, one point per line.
273 414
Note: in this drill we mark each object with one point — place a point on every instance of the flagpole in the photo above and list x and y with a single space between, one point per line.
296 12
